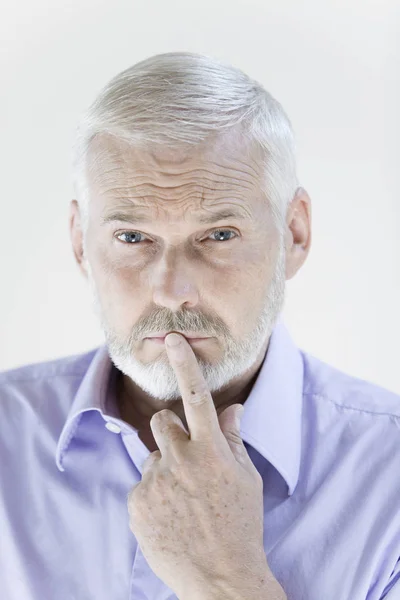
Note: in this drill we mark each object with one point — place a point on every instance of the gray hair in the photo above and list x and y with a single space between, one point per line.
182 98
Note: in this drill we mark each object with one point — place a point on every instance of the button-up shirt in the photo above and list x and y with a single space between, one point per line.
326 444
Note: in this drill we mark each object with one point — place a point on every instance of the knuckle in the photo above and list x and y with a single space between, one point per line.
174 434
210 450
151 459
234 437
160 416
134 498
199 394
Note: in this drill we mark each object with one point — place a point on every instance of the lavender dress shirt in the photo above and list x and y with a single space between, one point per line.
326 444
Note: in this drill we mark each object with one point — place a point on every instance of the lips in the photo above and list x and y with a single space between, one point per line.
189 336
191 340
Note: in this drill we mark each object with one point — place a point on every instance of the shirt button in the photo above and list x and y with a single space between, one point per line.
113 427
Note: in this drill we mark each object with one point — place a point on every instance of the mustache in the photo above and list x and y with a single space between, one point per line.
189 328
184 322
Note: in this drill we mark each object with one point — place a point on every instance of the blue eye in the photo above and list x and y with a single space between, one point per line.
219 231
130 235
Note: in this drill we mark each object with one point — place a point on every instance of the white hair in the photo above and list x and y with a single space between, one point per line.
182 98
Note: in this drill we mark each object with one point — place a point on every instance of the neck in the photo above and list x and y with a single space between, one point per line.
137 408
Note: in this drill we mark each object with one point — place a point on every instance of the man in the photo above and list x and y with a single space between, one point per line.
124 474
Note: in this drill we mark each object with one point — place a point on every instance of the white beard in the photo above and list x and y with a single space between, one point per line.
158 379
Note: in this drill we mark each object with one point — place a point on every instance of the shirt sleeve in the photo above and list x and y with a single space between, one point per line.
392 590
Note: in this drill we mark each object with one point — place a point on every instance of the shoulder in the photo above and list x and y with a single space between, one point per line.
32 385
347 393
74 364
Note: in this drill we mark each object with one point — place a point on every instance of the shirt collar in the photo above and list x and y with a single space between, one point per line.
272 417
271 420
93 394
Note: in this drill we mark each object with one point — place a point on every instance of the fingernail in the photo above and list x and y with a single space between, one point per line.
173 339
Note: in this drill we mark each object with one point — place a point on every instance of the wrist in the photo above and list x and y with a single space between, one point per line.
244 586
262 589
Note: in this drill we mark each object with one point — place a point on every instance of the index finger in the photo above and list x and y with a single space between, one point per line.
201 415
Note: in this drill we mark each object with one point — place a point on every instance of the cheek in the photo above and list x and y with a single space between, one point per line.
123 290
242 282
118 290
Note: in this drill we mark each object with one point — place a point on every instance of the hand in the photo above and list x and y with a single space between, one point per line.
198 511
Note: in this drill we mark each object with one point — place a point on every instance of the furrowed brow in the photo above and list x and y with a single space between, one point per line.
138 216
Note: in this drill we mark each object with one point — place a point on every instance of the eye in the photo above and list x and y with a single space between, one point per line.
219 231
130 235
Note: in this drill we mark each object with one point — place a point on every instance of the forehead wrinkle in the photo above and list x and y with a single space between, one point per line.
213 191
213 172
152 189
123 181
235 150
162 180
177 203
195 199
107 165
132 212
190 201
243 171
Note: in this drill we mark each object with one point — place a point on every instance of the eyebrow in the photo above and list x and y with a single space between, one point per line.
139 216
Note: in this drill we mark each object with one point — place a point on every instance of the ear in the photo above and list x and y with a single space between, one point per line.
76 233
298 236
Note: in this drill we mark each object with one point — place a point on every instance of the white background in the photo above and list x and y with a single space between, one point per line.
334 66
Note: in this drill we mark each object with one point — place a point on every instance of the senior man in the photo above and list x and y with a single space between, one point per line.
125 474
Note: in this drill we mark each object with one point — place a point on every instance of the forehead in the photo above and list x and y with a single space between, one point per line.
228 169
